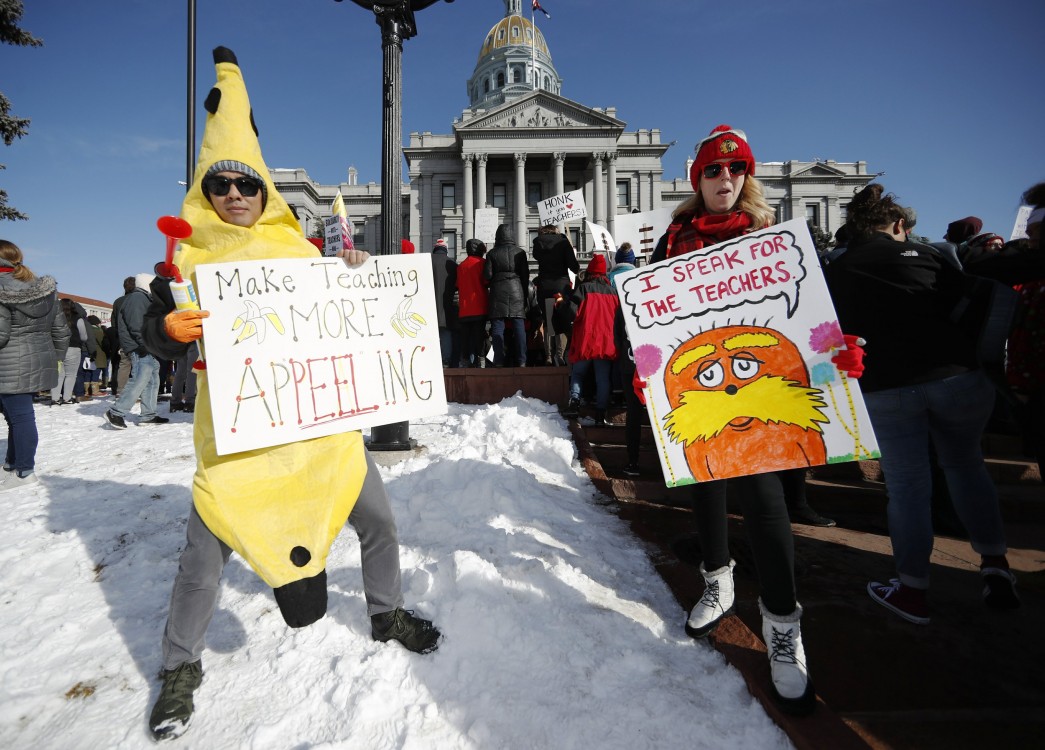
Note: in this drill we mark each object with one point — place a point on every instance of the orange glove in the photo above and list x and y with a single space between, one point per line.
851 359
185 325
639 385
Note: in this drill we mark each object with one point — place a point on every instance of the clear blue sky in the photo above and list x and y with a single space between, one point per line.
945 97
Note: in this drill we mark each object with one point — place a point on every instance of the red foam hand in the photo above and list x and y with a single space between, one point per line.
851 359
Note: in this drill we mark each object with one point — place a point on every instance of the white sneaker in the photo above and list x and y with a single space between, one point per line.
716 603
12 480
790 685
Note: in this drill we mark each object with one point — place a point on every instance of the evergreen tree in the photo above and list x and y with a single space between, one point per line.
12 127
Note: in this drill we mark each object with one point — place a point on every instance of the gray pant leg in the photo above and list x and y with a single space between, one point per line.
195 593
374 524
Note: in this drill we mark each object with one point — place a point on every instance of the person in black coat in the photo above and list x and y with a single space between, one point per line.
555 260
444 275
508 274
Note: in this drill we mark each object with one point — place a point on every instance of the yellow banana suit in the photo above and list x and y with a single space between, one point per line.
280 508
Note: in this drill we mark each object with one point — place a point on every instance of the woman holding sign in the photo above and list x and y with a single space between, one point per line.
727 203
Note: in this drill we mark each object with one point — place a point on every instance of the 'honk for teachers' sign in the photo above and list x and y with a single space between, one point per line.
560 209
306 347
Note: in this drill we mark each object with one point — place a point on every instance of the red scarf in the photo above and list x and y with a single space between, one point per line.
690 232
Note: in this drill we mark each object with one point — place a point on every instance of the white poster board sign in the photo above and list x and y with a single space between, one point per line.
642 230
485 225
560 209
337 235
305 347
735 343
603 242
1019 228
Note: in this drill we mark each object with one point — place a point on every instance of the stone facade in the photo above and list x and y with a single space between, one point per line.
520 142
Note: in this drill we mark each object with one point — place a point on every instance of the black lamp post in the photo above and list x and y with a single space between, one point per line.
396 19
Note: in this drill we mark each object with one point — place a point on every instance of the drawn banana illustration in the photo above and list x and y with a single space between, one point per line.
407 323
254 322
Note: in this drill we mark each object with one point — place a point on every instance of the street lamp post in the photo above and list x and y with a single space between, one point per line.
396 19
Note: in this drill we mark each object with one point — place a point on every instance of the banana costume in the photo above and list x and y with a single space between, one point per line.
280 508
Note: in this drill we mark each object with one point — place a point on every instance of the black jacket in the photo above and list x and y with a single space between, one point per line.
444 274
555 259
900 296
508 274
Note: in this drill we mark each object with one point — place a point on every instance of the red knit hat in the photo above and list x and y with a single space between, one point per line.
724 142
597 265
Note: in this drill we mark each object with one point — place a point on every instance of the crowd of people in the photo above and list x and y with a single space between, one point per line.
929 393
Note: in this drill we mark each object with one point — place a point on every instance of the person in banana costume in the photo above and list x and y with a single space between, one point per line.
281 507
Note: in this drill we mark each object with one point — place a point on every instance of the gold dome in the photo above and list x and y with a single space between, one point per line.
513 31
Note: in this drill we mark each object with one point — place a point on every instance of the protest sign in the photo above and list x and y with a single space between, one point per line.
560 209
603 241
486 225
337 229
1019 228
735 343
642 229
306 347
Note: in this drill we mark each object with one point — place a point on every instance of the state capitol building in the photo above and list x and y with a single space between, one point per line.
520 141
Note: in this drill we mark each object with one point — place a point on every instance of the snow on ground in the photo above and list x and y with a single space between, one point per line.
558 632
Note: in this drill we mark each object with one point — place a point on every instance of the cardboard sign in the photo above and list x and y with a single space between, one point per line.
560 209
735 343
306 347
486 225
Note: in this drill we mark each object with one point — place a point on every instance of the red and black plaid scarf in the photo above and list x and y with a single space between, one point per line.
690 232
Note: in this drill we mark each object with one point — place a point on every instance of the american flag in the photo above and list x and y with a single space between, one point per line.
537 6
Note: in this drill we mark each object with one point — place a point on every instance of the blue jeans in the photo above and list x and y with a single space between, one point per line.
22 437
144 383
500 354
579 371
953 411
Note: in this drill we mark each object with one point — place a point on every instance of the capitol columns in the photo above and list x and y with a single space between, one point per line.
560 160
521 236
469 207
611 192
598 199
480 160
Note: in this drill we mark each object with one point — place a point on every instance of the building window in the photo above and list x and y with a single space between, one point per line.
486 86
575 237
623 193
517 75
779 210
529 34
500 195
813 214
500 34
451 244
533 193
449 195
500 80
547 84
533 236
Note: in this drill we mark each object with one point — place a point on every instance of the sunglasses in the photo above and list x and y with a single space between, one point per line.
714 169
248 187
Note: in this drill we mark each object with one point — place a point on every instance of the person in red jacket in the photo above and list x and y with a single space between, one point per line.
592 343
473 304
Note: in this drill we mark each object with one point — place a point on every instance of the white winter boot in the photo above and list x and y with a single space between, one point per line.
716 603
787 661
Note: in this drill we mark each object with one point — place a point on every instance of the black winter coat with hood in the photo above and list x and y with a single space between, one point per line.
508 274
